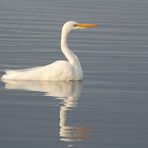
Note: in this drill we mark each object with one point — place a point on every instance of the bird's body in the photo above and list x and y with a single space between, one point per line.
64 72
61 70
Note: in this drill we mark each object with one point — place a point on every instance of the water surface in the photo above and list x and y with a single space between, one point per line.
109 108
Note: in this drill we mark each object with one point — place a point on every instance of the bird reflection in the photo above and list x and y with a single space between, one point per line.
69 92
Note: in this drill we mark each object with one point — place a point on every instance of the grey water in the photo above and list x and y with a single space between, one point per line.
109 109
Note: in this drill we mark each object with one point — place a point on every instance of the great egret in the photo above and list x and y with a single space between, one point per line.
61 70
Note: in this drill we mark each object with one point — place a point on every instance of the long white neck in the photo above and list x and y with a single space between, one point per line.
71 57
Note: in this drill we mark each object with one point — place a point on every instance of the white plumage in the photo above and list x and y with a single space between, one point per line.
61 70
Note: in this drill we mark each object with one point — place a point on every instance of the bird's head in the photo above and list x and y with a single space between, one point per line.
72 25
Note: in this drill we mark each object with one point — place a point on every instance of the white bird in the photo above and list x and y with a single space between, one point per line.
62 70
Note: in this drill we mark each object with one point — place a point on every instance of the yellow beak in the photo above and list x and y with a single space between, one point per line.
86 25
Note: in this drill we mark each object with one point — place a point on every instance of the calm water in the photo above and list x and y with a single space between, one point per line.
109 109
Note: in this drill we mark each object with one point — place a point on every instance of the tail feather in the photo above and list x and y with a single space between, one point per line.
9 71
22 74
9 74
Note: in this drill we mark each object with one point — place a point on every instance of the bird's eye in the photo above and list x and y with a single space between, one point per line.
75 25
